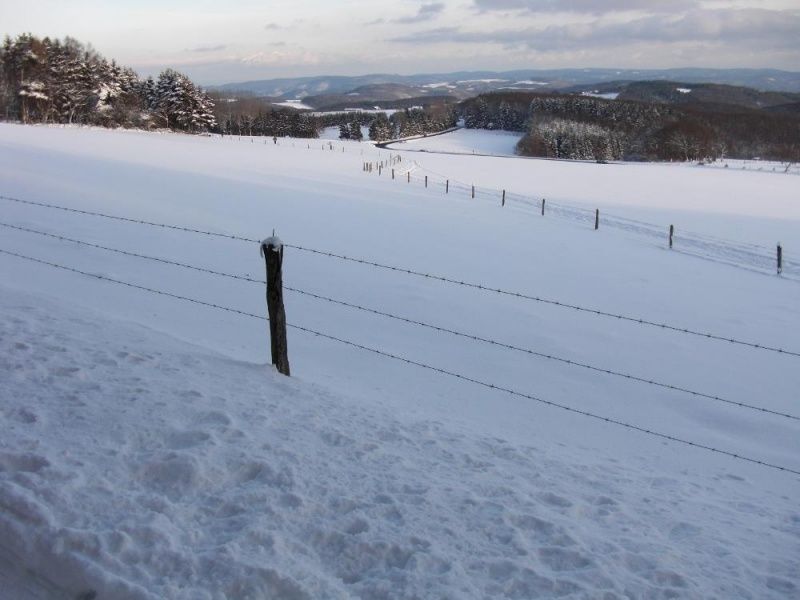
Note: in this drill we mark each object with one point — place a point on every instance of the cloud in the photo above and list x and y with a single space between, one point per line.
208 48
586 6
424 13
739 29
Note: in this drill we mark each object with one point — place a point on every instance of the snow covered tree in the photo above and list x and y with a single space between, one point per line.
355 131
344 131
381 129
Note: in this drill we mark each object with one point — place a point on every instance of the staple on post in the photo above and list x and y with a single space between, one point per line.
272 251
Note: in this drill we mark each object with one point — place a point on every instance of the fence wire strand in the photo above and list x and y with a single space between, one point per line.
444 279
416 322
491 386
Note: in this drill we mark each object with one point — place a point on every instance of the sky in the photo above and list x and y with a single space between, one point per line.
226 41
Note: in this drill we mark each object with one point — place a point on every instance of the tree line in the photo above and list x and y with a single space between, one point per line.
589 128
63 81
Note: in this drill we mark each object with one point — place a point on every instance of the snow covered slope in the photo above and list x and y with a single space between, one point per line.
465 141
519 498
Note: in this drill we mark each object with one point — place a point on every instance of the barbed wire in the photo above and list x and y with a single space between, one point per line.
408 320
575 307
442 278
499 388
128 219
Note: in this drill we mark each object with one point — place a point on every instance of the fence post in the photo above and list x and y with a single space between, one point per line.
671 233
392 173
596 219
473 191
447 187
542 206
409 176
503 202
272 251
426 181
780 259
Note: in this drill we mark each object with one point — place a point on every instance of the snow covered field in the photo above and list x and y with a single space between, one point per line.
466 141
149 452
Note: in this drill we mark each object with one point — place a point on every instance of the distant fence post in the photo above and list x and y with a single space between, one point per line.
780 259
447 187
596 219
671 234
272 251
408 174
503 201
426 181
542 206
473 191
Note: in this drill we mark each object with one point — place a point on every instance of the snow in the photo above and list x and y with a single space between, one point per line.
684 90
294 104
481 81
149 453
466 141
604 95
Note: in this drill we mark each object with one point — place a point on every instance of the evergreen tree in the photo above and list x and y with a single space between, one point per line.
355 131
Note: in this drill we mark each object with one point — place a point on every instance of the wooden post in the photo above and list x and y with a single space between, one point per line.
409 176
503 201
542 206
426 181
671 233
392 173
596 219
473 191
272 251
380 169
447 187
780 259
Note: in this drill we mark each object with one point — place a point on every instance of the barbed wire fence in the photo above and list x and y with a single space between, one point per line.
700 395
747 255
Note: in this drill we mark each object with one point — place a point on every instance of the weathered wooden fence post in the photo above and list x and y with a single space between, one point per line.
408 175
671 234
473 191
542 206
426 181
392 173
447 187
503 201
780 259
272 251
596 219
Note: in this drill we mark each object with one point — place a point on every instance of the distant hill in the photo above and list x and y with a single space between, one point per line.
464 84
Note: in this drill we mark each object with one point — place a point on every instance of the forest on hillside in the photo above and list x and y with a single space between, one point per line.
54 81
588 128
